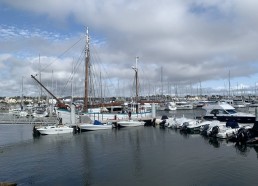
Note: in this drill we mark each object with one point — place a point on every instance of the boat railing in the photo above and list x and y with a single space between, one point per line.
120 116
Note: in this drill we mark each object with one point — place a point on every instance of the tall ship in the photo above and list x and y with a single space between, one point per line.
99 111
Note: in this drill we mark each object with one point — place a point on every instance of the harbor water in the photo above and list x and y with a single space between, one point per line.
126 156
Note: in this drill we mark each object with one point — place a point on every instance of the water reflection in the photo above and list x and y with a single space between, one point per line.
214 142
245 149
134 138
130 156
241 149
102 152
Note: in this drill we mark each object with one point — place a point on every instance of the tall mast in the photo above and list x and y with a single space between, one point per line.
87 64
136 79
22 95
229 93
136 82
40 95
161 79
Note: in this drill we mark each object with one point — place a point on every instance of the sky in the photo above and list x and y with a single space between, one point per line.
184 46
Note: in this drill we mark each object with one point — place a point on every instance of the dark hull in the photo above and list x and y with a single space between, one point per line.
238 119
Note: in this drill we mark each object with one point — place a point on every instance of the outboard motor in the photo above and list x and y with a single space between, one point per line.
184 126
204 130
162 123
242 136
214 131
154 122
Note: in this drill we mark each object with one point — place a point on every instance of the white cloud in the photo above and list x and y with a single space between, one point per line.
192 40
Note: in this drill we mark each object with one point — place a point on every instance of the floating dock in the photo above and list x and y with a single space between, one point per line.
6 118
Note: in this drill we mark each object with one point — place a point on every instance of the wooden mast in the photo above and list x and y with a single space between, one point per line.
87 65
136 83
136 79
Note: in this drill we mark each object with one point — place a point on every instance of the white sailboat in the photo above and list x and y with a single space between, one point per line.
133 122
59 128
55 129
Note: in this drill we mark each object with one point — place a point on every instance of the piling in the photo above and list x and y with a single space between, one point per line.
153 110
255 127
73 118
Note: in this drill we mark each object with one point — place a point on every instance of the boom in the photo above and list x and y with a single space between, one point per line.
59 102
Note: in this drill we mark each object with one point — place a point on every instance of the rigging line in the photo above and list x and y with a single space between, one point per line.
102 67
96 60
79 61
144 82
47 66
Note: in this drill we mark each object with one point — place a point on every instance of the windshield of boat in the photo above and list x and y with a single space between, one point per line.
231 111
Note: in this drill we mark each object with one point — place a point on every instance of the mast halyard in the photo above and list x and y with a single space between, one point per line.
87 65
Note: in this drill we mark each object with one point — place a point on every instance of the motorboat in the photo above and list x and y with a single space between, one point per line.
200 104
246 134
239 103
196 126
184 105
210 127
130 123
170 106
18 112
55 129
225 130
177 123
39 112
97 125
224 112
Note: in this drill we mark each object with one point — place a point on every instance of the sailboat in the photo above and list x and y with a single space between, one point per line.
58 128
94 113
133 122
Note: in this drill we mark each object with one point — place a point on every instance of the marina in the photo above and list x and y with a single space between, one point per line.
128 93
143 155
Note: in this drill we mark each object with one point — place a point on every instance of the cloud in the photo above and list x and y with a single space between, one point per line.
193 41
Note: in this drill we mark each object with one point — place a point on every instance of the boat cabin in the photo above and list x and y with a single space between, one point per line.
225 112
